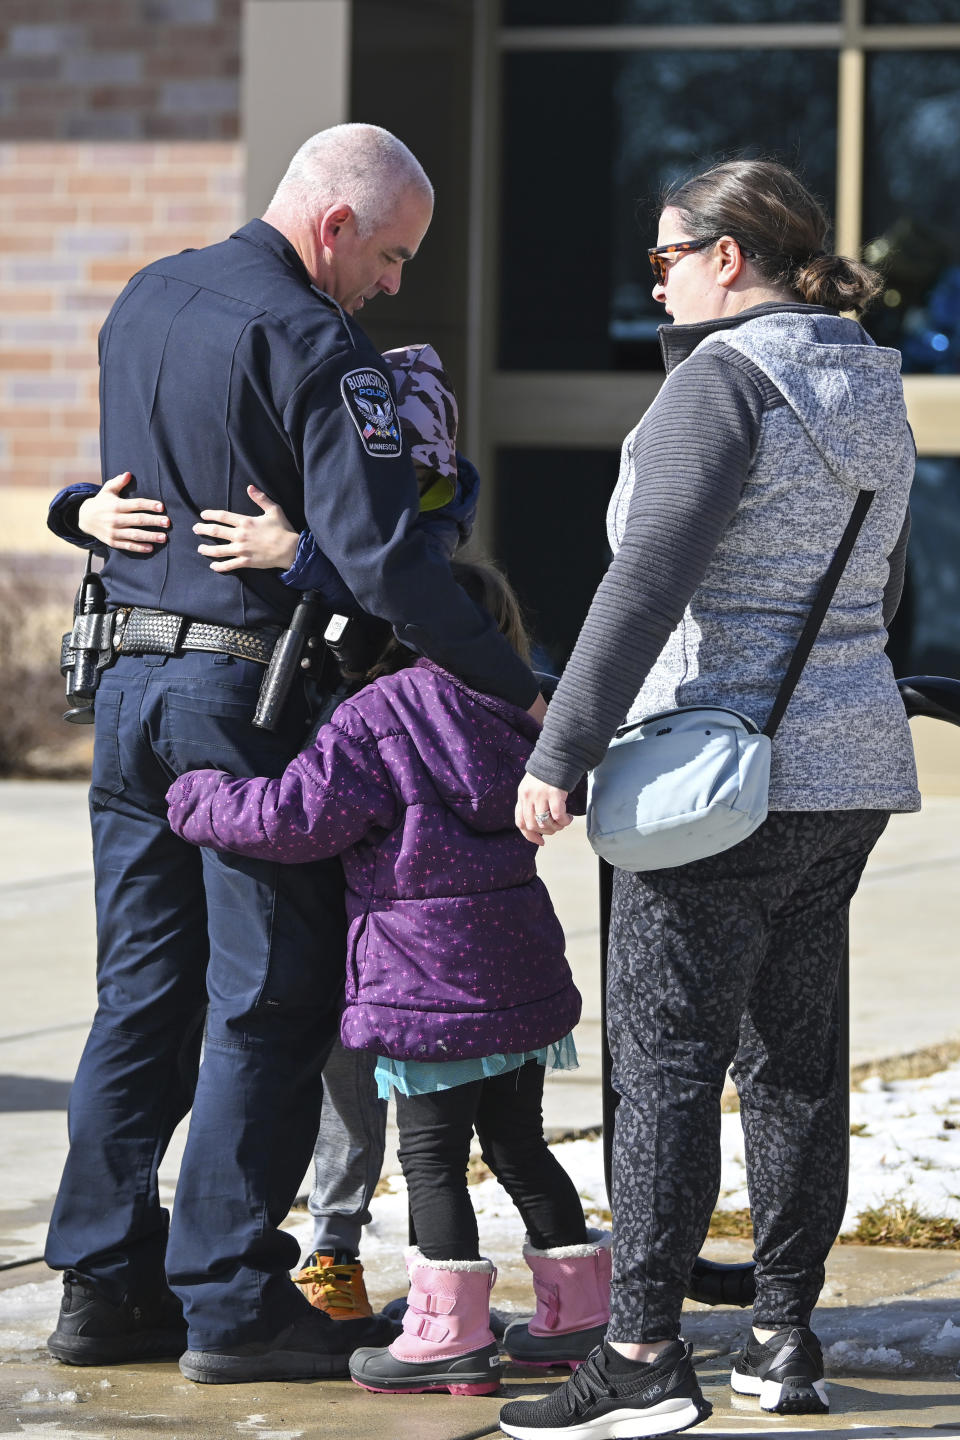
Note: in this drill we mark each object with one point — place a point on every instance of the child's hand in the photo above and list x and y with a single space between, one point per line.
123 524
188 804
249 542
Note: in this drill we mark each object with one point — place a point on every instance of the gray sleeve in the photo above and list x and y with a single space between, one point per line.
897 559
691 459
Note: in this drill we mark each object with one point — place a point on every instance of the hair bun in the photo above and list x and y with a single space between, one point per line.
836 282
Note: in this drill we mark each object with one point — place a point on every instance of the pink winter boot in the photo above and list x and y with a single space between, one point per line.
572 1286
447 1343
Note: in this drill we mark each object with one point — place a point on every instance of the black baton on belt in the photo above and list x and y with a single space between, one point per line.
285 661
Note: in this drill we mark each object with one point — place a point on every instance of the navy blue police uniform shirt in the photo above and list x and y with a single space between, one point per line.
225 367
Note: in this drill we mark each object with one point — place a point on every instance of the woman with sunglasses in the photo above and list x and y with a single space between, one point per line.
734 490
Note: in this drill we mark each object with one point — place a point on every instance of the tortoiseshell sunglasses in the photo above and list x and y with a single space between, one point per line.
659 254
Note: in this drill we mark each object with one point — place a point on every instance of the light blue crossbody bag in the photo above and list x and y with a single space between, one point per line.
688 783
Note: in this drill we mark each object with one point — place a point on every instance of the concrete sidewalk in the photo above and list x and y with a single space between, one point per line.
874 1394
904 997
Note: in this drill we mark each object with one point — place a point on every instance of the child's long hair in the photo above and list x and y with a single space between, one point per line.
487 587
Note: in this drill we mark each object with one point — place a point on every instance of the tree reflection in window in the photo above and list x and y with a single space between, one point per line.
925 634
911 215
589 141
678 12
917 12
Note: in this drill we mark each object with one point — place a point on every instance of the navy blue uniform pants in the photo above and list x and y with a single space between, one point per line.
186 934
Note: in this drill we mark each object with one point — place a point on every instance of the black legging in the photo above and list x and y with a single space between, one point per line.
435 1132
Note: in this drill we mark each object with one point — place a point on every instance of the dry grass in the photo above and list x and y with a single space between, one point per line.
730 1225
477 1171
33 738
893 1224
903 1225
916 1065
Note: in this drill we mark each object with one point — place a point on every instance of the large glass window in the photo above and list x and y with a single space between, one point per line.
925 635
589 140
551 537
678 12
912 12
911 183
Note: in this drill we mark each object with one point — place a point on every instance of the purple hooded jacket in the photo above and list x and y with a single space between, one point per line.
454 949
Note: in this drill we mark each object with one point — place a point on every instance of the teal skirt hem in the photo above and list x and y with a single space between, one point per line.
424 1077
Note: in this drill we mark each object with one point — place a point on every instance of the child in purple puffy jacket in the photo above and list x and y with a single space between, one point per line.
456 978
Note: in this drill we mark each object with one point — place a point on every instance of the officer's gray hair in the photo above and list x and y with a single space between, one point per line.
362 166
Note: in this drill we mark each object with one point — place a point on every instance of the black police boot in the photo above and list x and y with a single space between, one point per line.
311 1348
93 1330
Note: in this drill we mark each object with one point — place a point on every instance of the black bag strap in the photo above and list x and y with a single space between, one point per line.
818 609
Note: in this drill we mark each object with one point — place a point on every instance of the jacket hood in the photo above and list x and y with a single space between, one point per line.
845 391
468 741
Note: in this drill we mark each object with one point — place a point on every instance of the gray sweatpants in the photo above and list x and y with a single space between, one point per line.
348 1155
733 959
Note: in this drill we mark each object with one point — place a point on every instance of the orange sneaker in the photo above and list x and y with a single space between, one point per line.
337 1290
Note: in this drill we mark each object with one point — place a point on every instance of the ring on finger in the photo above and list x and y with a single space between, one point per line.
542 819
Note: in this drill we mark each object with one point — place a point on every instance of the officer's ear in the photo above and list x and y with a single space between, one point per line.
332 224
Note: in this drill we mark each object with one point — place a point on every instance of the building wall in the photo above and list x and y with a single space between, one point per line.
119 126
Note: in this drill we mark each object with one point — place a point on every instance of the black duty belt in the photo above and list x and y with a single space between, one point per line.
157 632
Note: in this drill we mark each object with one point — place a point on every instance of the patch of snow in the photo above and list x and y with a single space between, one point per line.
844 1354
42 1397
903 1153
27 1315
945 1342
256 1425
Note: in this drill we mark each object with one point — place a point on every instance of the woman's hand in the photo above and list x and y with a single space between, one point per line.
541 809
251 542
123 524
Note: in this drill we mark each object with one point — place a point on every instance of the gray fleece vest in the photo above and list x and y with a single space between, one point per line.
844 742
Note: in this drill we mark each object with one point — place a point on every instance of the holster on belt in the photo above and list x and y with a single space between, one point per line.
356 642
87 649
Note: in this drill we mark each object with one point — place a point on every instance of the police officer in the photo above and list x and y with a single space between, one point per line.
235 364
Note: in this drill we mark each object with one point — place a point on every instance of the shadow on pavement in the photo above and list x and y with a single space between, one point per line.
27 1092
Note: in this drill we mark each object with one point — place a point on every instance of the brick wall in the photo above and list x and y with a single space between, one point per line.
119 69
118 126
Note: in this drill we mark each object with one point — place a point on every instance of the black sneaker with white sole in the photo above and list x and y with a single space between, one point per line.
786 1372
599 1403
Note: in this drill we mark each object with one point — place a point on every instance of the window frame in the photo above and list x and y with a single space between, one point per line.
597 408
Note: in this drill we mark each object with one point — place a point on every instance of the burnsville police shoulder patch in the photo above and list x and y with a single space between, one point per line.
369 399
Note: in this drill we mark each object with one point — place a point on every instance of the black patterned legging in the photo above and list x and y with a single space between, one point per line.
731 959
